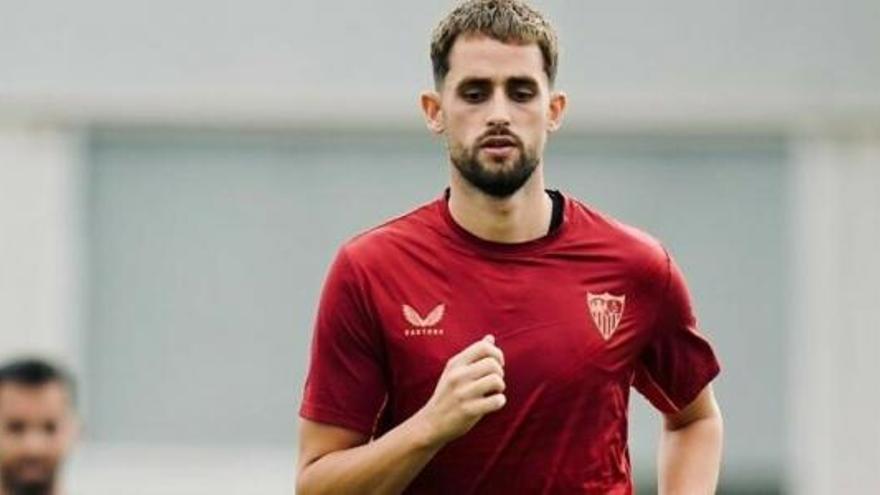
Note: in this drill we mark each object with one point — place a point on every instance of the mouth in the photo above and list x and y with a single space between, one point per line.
498 146
33 470
498 142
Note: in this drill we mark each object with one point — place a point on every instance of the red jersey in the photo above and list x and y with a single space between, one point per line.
582 315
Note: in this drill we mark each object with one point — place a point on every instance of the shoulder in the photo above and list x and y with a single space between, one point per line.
643 253
402 233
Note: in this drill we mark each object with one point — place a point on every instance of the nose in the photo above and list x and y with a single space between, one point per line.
499 110
35 442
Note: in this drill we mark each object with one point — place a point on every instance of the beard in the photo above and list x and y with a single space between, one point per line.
14 485
497 179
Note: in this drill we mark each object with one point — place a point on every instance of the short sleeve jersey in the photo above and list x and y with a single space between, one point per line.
582 315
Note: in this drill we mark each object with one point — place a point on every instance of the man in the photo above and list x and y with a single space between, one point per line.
37 426
487 342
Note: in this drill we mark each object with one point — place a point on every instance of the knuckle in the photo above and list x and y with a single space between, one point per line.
459 395
454 377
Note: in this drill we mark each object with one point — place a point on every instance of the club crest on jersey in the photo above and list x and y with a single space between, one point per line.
607 311
423 325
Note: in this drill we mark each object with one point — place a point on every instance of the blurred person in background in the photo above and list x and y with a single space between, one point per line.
38 426
487 342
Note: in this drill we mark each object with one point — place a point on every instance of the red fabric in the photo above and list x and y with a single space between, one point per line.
564 429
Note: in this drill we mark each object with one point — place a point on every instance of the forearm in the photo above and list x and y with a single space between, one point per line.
690 457
339 462
385 466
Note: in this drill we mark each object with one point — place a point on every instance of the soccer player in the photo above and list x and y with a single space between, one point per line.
487 342
37 426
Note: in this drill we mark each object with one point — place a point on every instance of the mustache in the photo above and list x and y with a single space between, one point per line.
499 132
31 461
13 469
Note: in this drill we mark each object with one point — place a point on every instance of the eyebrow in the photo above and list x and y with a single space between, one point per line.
485 81
474 81
523 80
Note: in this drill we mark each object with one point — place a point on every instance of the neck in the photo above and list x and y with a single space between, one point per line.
522 217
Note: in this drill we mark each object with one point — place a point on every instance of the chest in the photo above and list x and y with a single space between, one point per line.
557 320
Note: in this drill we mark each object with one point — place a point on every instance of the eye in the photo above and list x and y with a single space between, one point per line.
50 427
522 94
473 94
15 427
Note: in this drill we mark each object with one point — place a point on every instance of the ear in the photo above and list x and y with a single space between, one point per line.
556 110
430 102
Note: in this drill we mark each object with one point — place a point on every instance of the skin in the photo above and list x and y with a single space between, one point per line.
492 89
689 455
37 430
494 85
335 460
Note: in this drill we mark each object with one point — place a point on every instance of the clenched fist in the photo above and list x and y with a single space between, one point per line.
471 386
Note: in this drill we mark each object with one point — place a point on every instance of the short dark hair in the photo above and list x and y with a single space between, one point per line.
508 21
36 372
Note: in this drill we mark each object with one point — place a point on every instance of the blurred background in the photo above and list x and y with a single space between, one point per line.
176 176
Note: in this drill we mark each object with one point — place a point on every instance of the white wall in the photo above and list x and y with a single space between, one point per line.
180 470
40 242
274 62
835 373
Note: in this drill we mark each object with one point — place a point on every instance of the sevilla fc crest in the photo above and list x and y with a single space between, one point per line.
606 310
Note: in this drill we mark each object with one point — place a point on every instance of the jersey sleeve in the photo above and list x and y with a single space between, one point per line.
345 385
678 362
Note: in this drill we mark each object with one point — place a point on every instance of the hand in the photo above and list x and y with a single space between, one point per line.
471 386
